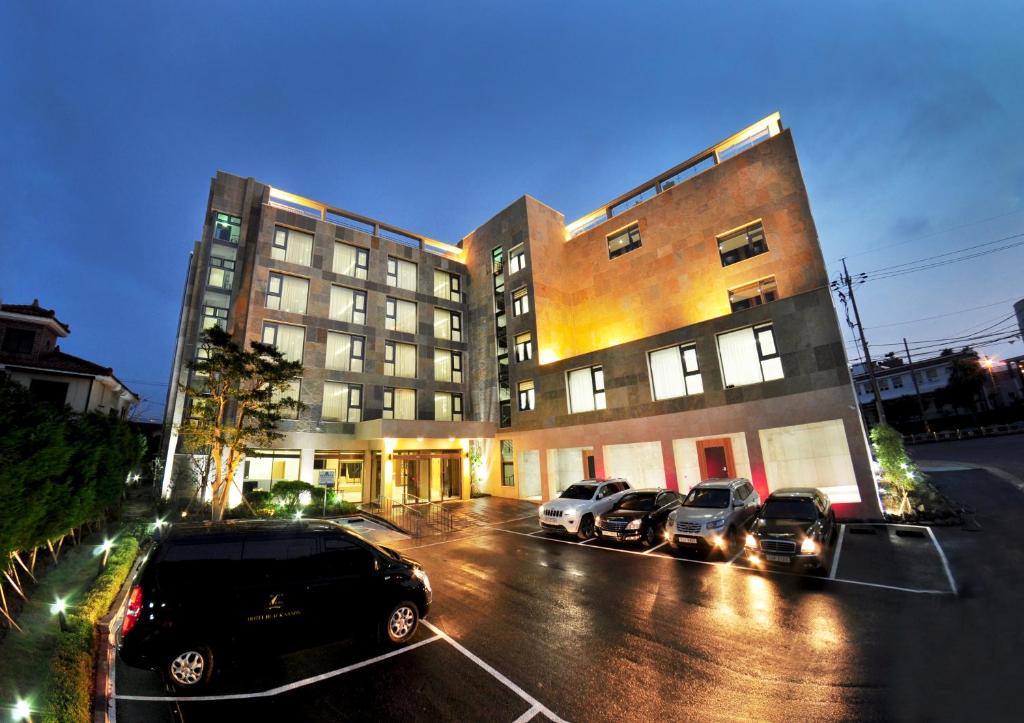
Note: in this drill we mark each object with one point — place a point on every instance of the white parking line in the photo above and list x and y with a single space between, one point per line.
536 704
648 552
589 539
528 715
835 555
290 686
538 532
945 562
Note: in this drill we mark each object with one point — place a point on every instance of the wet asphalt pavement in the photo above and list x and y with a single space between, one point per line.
543 627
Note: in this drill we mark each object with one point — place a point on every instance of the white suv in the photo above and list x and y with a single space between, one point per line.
575 509
713 515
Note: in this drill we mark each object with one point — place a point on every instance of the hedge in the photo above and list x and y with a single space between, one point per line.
68 692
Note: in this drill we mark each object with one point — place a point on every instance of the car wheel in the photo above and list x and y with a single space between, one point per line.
586 529
651 536
732 538
190 667
402 622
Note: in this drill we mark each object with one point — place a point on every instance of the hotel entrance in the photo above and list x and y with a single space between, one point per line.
424 475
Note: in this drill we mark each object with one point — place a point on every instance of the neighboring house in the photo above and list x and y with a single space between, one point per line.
29 355
683 331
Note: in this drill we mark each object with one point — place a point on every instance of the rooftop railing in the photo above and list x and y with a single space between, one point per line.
708 158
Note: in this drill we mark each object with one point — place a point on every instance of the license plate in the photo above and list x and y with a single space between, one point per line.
687 540
776 558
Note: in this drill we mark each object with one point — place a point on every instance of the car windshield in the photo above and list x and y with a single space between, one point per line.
641 502
789 510
707 497
578 492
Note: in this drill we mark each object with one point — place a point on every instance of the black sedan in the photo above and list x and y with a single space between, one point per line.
638 515
794 528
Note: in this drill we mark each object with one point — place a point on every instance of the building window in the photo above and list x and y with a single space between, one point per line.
749 356
290 392
399 359
447 285
350 260
292 246
516 259
674 372
526 396
287 293
345 352
897 382
742 244
286 338
348 305
520 302
222 266
342 402
447 324
883 385
586 389
624 241
447 366
48 391
507 467
400 316
401 274
227 228
447 407
501 338
524 346
215 310
933 374
399 403
755 294
19 341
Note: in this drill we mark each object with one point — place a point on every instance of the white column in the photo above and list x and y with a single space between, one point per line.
306 473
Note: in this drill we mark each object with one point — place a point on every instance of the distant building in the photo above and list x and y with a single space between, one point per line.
1018 309
29 355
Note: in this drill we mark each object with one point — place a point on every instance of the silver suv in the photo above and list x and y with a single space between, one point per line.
712 516
575 509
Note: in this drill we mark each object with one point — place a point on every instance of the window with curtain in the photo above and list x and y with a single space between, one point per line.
524 346
516 258
222 266
342 402
291 392
292 246
586 389
527 401
400 359
447 285
400 315
674 372
399 403
215 309
345 352
520 302
401 274
286 338
447 407
749 356
350 260
287 293
348 305
447 366
447 324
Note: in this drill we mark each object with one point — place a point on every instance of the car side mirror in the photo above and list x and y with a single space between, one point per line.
738 503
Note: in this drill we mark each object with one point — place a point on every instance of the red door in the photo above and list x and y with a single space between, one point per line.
715 458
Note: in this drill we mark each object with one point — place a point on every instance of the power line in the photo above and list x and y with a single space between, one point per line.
948 253
940 316
925 267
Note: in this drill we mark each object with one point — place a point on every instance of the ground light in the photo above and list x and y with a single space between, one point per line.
105 548
21 711
59 609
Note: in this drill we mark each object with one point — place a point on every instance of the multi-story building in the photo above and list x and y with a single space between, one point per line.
682 331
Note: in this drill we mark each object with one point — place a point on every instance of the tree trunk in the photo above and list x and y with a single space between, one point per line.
216 503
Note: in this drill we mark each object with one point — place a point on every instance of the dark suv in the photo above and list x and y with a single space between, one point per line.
210 591
795 527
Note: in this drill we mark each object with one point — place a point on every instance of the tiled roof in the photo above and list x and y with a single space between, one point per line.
58 361
33 309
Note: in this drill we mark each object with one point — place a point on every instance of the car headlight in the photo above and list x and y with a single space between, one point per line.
716 524
751 542
672 517
420 574
634 524
598 520
808 546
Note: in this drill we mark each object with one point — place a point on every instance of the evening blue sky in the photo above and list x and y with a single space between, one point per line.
436 115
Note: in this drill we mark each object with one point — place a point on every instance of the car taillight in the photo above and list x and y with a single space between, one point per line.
131 613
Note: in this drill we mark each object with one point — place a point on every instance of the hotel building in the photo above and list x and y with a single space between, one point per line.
680 332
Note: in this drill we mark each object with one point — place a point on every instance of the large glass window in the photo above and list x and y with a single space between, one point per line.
215 309
350 260
399 359
524 346
227 228
286 338
399 403
447 407
348 305
447 366
586 389
507 466
674 372
516 258
342 402
447 285
400 316
527 401
345 352
222 266
520 301
295 247
755 294
624 241
401 274
749 356
287 293
447 324
742 244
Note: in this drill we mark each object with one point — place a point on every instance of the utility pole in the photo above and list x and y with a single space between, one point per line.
917 389
864 345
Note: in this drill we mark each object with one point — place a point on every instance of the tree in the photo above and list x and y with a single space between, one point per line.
891 361
966 379
898 469
235 402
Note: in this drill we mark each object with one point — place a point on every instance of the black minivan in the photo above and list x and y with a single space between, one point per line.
214 590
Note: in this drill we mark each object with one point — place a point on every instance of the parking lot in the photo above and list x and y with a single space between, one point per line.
527 626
